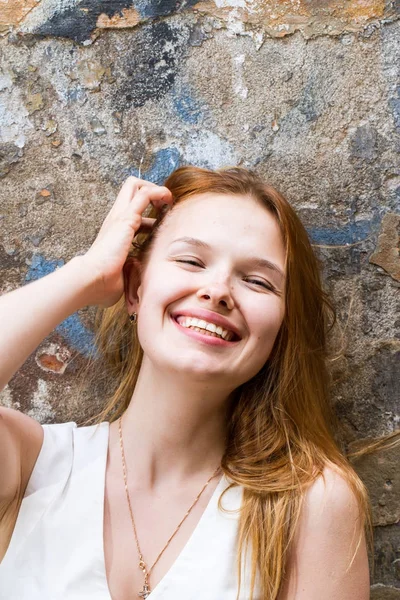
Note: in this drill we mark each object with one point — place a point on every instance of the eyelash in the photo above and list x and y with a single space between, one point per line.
267 286
263 284
190 262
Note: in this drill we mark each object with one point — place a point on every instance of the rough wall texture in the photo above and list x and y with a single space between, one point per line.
306 92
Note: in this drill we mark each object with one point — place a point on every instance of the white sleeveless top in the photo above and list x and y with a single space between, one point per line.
56 550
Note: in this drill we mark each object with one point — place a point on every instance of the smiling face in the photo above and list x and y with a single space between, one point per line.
220 260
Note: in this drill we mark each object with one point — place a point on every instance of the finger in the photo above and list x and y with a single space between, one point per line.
157 195
129 188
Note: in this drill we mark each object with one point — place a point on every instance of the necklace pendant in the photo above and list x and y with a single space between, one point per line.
142 565
145 591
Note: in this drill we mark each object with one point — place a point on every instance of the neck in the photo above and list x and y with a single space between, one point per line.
174 428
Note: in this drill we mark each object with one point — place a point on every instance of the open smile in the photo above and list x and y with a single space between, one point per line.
191 328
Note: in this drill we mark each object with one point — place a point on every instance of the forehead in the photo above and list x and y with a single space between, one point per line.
224 220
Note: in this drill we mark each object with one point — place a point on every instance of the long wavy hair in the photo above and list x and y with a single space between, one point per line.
281 427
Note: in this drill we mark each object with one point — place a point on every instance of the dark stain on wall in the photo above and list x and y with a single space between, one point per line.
9 154
9 261
150 69
386 383
387 555
161 8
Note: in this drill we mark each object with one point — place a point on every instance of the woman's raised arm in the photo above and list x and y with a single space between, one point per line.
30 313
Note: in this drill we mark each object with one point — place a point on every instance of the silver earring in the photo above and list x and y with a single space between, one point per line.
133 317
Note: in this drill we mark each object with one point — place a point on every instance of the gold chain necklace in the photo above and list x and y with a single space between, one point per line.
142 565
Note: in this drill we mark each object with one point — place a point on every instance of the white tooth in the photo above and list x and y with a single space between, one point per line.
201 324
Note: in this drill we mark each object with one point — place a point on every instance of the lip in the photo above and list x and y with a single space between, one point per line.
208 315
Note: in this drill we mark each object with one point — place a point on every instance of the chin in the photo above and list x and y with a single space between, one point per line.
201 369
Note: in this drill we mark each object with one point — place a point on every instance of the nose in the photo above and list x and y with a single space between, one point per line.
217 294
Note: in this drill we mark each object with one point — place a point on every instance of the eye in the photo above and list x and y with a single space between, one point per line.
189 261
263 284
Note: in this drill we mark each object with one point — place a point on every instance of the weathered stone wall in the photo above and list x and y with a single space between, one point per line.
306 92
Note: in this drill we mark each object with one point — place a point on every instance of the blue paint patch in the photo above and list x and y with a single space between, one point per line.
349 234
165 161
77 335
40 267
188 108
311 104
74 332
76 94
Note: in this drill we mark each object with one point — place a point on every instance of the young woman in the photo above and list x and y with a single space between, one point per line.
213 472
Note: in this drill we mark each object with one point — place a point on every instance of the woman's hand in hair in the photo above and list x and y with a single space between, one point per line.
106 257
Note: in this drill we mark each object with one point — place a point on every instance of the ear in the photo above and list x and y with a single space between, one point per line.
132 277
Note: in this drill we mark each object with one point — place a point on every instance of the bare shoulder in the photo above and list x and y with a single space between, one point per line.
21 439
20 443
331 496
328 557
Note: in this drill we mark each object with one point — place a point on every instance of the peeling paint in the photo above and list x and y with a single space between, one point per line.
14 121
189 108
81 19
281 18
53 358
362 9
148 71
164 162
129 17
202 148
6 399
387 253
206 149
13 12
34 102
44 195
90 74
239 87
41 409
233 4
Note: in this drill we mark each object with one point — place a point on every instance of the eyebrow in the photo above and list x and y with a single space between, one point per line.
257 262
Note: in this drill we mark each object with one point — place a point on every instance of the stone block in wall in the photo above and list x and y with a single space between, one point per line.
382 592
380 473
387 555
